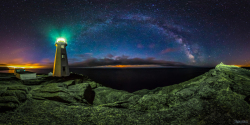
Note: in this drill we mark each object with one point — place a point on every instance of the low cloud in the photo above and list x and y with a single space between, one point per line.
85 55
110 56
125 60
74 60
169 50
46 60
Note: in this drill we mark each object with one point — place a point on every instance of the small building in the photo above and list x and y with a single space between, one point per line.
50 74
18 71
24 75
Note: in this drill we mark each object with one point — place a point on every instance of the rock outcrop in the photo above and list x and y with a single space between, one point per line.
220 96
11 97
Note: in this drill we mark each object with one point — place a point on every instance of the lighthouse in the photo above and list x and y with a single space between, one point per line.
61 67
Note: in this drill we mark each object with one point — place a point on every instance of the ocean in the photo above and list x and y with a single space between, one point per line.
133 79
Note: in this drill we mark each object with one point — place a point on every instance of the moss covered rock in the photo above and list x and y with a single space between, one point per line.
220 96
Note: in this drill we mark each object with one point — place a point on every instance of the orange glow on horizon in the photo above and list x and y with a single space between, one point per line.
243 65
239 65
26 66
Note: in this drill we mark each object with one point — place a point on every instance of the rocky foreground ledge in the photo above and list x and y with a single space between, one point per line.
220 96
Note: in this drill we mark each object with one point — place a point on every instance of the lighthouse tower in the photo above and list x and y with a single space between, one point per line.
61 67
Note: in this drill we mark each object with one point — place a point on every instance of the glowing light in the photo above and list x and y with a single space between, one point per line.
27 66
61 40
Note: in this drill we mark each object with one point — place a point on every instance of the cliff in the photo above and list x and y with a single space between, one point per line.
220 96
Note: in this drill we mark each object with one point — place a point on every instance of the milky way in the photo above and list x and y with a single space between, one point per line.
190 32
136 27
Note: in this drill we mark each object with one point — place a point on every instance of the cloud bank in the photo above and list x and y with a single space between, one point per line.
124 60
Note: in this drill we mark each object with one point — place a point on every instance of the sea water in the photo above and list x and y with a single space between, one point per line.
133 79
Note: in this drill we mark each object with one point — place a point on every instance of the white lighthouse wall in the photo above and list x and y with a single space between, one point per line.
64 63
60 62
57 62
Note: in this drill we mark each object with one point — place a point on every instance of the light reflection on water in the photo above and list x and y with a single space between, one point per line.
45 71
6 71
134 79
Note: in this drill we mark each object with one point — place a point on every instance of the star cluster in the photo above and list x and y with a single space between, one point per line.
201 33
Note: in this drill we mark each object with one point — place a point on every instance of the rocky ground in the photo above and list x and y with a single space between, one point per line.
218 97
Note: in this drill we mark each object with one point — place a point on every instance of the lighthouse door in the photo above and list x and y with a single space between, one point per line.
64 72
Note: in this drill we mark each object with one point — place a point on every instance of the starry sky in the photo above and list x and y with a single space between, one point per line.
98 32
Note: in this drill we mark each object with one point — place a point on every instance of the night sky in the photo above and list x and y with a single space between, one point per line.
98 32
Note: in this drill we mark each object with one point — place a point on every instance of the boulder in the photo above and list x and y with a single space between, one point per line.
11 97
77 81
93 84
33 82
141 92
6 99
57 96
82 91
22 88
54 91
65 92
105 95
69 82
